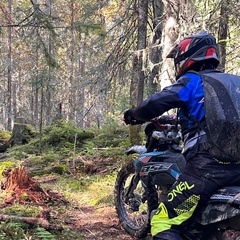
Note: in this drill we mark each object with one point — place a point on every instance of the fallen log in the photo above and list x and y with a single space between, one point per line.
31 220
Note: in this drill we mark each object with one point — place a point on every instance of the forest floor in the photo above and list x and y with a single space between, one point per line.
100 224
64 196
81 220
94 222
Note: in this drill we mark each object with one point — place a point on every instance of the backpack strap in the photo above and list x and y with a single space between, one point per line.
200 125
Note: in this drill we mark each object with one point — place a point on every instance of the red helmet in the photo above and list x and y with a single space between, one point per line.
193 52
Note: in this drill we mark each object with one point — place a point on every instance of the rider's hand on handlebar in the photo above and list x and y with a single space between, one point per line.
129 119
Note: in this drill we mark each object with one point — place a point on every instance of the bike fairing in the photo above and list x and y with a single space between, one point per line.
144 169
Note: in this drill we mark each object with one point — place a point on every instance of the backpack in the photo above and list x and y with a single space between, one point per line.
222 115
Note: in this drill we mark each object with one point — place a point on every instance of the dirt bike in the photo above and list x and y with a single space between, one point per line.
142 184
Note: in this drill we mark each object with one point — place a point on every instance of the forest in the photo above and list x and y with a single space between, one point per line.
88 61
68 71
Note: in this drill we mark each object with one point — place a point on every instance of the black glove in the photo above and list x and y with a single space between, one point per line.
129 119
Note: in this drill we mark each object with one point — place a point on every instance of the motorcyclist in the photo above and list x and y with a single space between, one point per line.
203 174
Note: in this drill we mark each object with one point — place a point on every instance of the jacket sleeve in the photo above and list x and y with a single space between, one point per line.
160 102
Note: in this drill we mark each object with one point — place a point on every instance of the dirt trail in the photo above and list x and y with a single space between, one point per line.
100 224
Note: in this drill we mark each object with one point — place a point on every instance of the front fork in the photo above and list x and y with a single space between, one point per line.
150 193
132 186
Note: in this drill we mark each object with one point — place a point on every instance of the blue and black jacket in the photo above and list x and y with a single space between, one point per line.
187 94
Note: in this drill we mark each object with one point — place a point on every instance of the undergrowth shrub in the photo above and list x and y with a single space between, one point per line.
58 137
64 132
62 141
43 234
12 230
4 166
21 210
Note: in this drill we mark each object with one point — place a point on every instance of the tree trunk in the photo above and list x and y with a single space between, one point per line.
138 76
222 33
34 103
31 220
19 128
81 94
50 76
142 43
134 129
156 51
172 8
72 95
101 80
9 72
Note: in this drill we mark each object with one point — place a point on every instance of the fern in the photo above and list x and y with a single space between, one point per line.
43 234
3 235
11 230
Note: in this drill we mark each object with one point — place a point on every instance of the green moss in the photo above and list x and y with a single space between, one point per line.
41 161
29 133
64 133
22 210
60 169
4 166
25 196
5 134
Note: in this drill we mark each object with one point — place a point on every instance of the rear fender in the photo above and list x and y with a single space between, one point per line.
219 212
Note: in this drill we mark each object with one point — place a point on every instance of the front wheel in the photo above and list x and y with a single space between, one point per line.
132 209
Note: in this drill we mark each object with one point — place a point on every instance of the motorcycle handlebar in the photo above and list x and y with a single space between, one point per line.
167 119
164 126
165 123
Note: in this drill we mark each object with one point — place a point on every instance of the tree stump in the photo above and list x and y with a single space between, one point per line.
19 179
21 134
21 185
18 131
